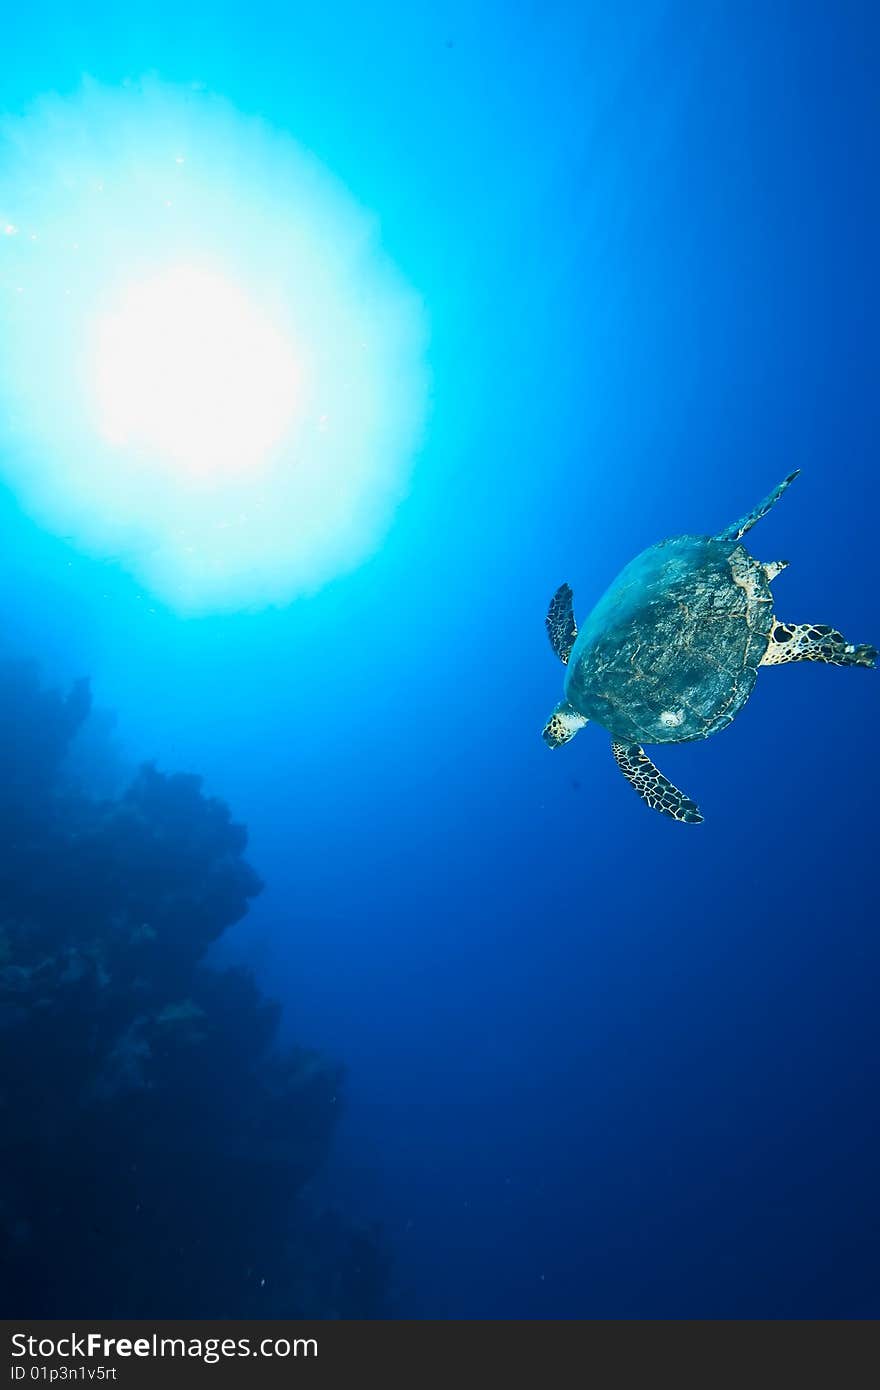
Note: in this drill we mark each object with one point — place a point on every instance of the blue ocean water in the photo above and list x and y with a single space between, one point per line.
596 1064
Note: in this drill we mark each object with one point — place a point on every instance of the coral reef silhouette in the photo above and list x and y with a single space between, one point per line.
156 1144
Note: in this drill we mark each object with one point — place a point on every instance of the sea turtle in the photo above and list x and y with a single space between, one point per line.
671 651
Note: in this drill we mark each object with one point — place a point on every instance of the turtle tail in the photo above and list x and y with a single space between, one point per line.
736 529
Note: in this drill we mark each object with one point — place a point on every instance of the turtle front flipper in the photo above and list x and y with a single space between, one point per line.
812 642
560 624
773 568
736 529
655 789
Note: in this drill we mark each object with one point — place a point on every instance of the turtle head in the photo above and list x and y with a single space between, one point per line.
562 725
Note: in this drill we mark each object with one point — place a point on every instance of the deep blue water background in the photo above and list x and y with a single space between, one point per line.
598 1064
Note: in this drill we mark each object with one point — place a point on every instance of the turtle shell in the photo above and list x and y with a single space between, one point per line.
671 651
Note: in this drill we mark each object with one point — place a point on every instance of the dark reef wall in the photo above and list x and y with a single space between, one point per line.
156 1146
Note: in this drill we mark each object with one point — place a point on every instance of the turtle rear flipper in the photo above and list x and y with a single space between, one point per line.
815 642
736 529
560 624
654 789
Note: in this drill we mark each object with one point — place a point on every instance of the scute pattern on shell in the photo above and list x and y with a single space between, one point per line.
684 627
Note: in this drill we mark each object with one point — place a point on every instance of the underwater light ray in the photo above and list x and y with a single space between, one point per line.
208 368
